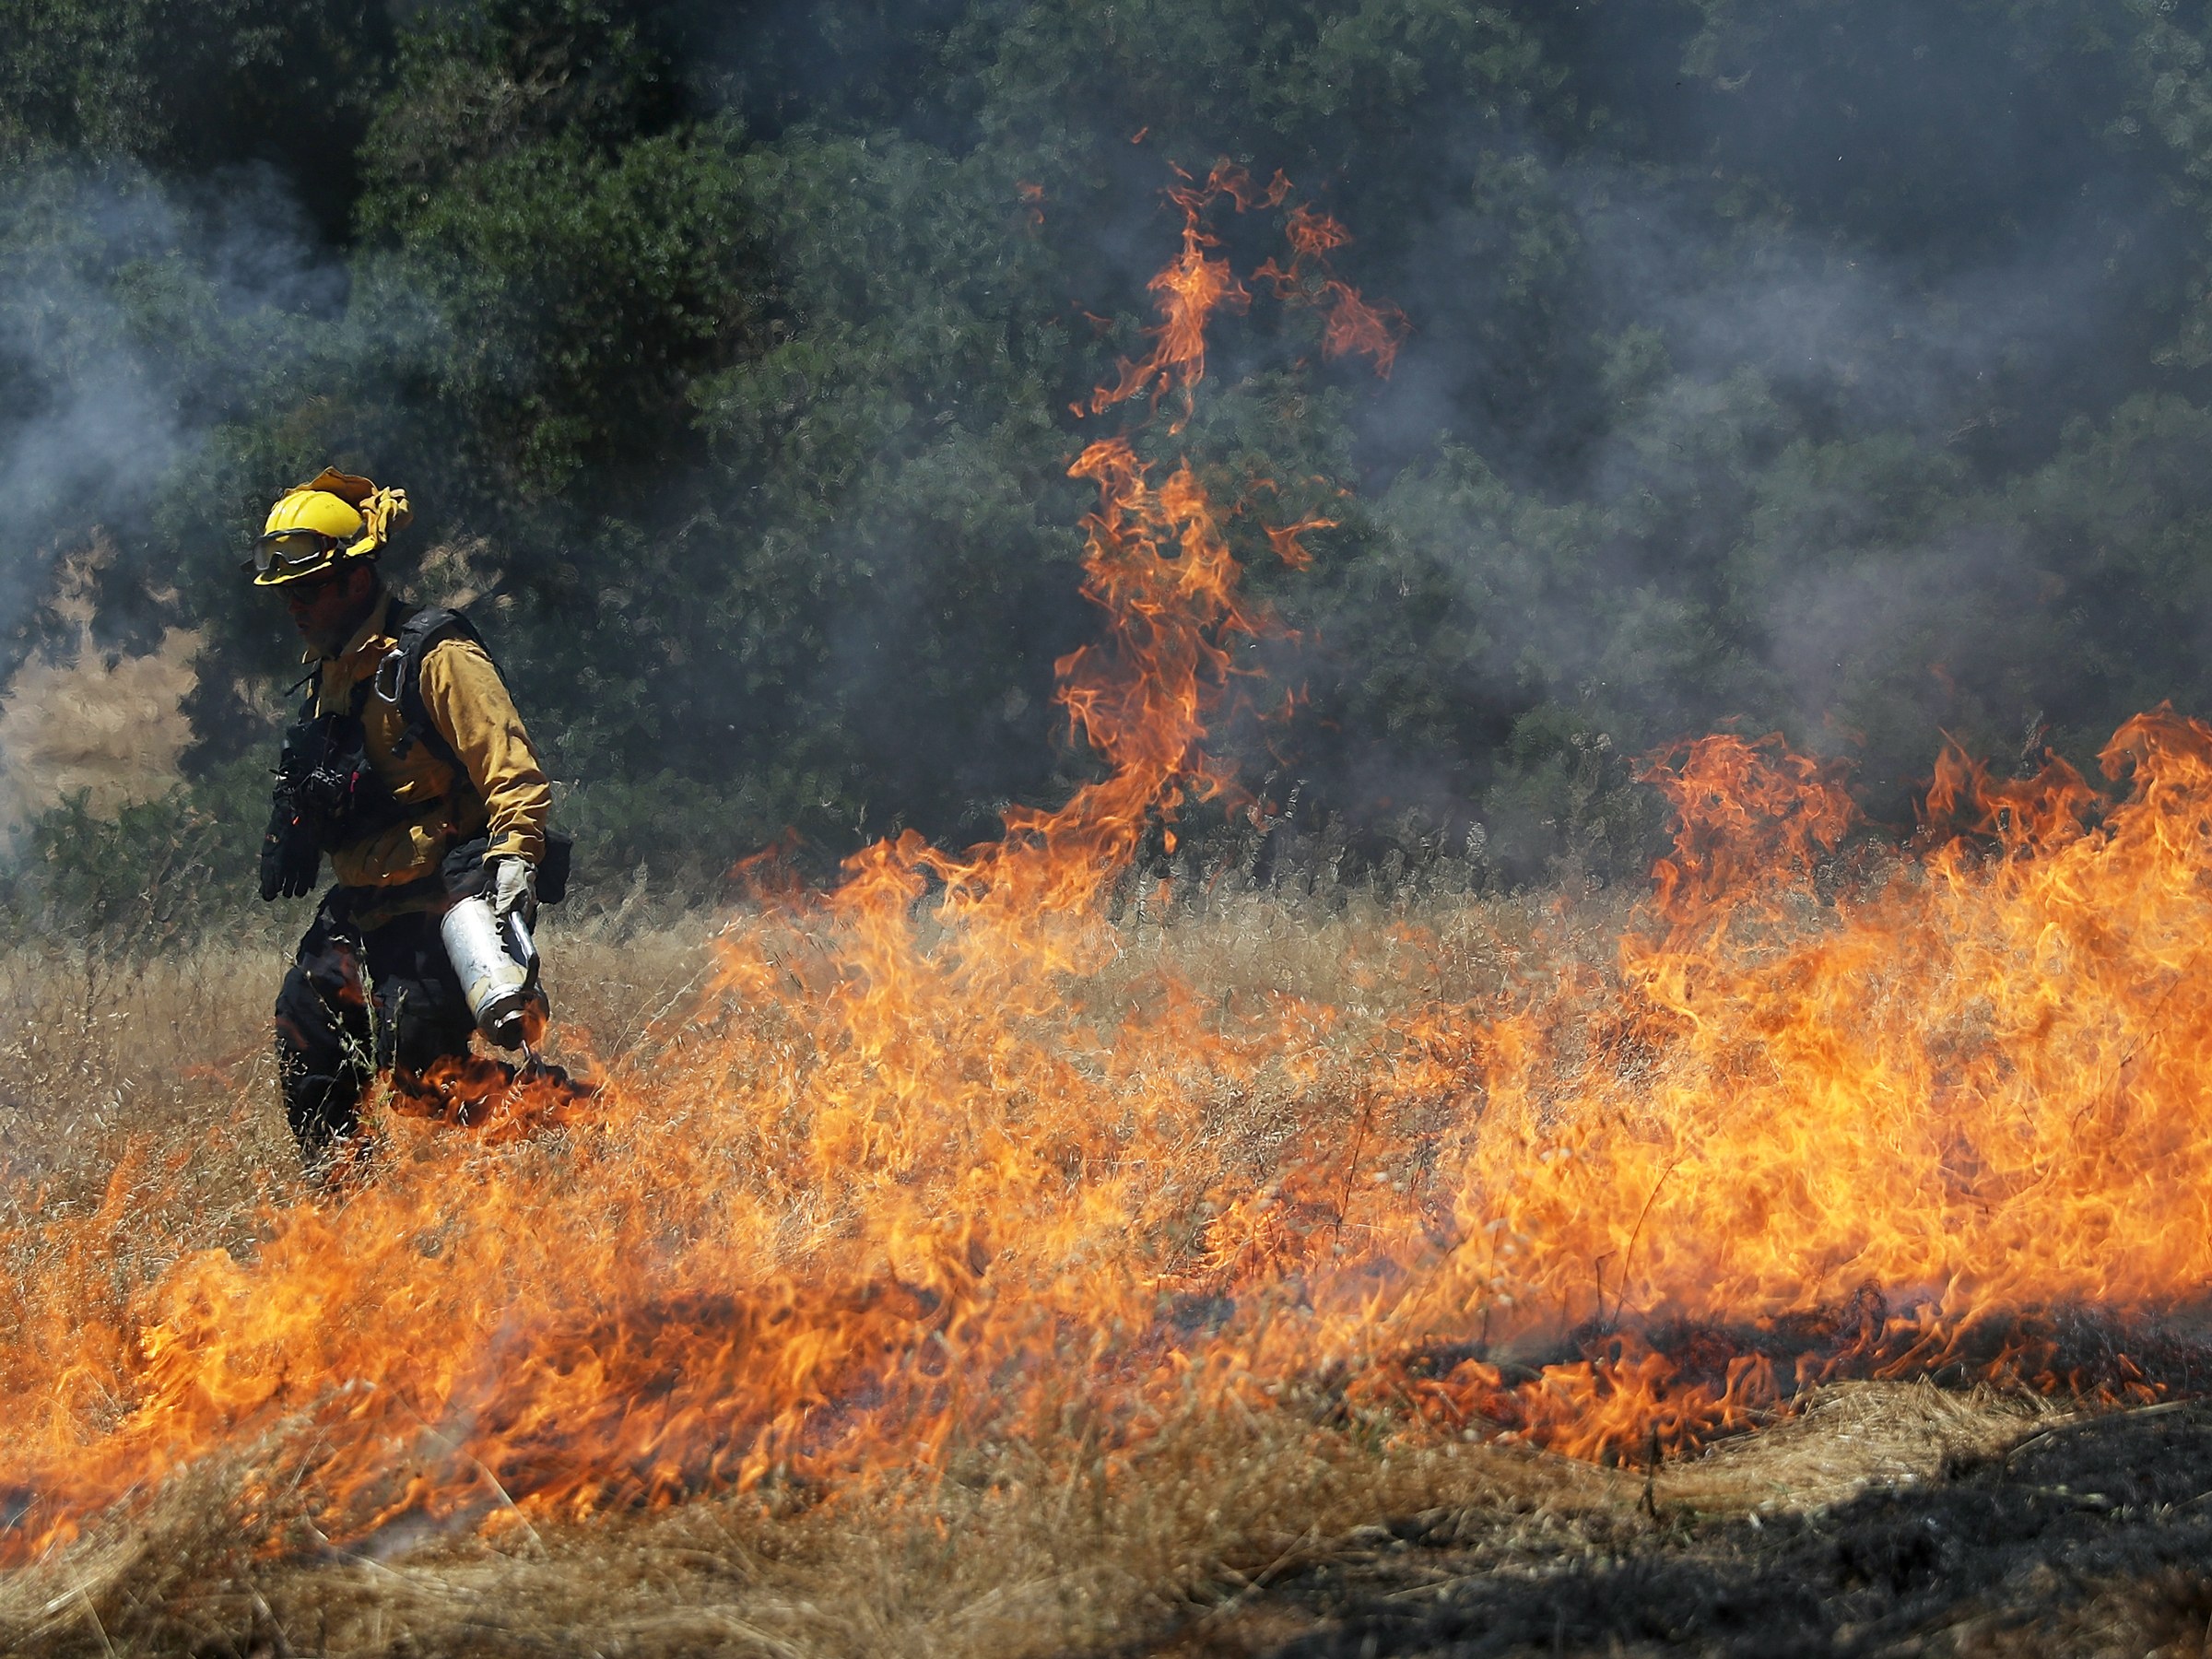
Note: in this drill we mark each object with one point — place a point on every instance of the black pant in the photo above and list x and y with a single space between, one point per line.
326 1051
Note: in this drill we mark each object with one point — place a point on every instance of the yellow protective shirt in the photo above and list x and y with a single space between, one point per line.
502 792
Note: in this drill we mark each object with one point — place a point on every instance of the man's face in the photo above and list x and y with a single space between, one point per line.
326 609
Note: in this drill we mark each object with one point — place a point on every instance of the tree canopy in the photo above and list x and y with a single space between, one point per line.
1838 367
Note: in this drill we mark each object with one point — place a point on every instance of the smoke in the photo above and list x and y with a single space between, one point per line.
1737 333
105 279
112 288
1860 340
1663 452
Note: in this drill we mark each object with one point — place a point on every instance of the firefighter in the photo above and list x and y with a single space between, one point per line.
410 771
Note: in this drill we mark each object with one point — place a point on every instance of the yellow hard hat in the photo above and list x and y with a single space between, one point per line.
316 525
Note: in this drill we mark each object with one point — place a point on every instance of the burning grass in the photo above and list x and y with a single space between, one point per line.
1225 1525
948 1278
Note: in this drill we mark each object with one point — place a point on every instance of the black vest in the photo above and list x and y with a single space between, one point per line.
325 779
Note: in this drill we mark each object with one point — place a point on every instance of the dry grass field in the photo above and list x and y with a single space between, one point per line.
136 1116
1001 1255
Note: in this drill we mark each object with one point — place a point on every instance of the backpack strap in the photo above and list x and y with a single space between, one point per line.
417 633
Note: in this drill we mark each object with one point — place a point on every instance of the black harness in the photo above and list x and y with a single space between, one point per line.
328 795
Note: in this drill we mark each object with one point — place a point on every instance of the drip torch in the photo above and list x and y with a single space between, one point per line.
497 961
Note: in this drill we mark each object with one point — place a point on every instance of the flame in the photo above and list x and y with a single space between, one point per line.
1745 809
1352 324
1188 291
1959 1103
904 1179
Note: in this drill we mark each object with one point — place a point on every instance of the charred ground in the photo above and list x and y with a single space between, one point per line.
2085 1536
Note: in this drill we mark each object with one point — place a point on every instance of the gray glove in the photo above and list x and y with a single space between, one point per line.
514 888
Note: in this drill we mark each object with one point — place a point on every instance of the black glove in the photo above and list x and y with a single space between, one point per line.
290 859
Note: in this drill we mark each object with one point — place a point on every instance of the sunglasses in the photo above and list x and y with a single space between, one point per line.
289 551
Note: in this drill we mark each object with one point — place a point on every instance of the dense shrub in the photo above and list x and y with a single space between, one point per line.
1838 370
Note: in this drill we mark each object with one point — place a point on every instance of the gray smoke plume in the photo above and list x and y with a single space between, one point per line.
102 277
104 280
